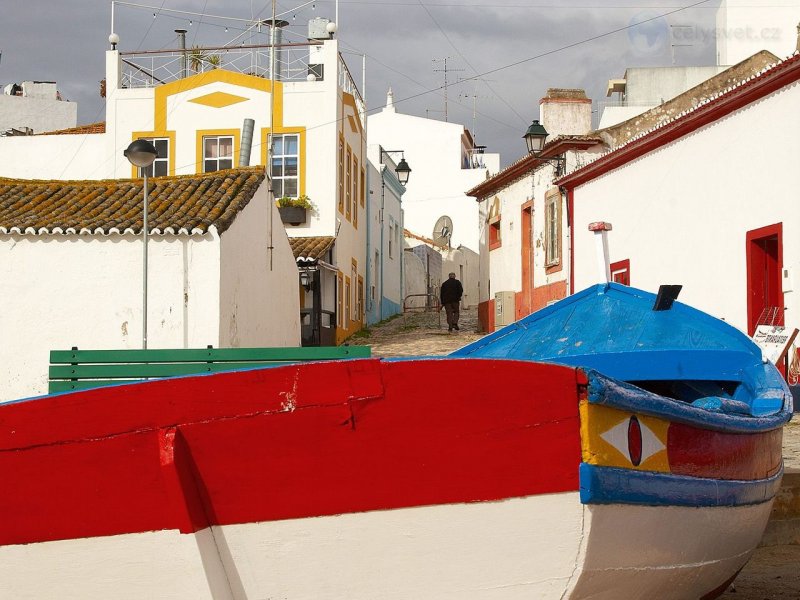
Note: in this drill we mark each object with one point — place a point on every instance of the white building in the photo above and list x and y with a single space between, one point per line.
643 88
384 219
744 27
197 121
445 163
524 244
707 200
72 265
35 107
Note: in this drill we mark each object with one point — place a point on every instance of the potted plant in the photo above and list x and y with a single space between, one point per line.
293 210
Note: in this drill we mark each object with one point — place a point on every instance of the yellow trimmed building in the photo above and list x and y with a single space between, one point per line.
198 124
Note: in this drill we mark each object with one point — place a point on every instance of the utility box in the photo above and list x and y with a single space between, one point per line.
504 308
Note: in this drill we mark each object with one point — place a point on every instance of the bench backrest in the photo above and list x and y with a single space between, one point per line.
84 369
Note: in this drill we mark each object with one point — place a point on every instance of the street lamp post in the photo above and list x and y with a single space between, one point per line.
142 153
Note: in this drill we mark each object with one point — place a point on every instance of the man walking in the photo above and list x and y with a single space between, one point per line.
450 296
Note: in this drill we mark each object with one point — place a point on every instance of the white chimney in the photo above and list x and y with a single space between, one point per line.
566 112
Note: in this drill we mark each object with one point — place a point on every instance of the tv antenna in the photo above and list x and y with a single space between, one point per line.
474 96
445 70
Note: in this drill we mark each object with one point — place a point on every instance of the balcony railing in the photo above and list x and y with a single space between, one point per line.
156 67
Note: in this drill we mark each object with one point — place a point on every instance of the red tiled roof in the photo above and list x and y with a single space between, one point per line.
180 204
524 165
90 128
310 248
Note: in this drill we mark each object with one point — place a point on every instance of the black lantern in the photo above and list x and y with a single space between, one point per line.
403 172
535 137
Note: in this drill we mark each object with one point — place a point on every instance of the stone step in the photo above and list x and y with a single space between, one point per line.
784 522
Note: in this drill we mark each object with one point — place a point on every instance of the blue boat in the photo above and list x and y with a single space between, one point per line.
681 413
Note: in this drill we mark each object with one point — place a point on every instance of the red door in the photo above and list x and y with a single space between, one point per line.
764 266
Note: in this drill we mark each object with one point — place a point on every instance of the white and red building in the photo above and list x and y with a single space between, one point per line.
524 244
708 200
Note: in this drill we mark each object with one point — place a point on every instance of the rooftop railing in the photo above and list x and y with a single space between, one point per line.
151 68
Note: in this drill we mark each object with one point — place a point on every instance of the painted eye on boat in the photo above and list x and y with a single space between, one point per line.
635 441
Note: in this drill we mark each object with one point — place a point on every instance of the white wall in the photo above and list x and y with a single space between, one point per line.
680 213
40 114
257 306
73 157
437 185
744 28
68 290
385 210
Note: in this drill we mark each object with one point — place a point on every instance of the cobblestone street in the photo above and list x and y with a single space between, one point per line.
772 573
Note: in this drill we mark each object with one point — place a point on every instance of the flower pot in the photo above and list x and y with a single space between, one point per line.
293 215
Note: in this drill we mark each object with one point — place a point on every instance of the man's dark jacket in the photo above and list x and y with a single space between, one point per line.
451 291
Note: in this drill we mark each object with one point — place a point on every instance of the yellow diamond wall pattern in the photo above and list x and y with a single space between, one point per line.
218 99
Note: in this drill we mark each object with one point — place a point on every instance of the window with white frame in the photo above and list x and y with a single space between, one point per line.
552 228
160 166
217 153
391 238
285 158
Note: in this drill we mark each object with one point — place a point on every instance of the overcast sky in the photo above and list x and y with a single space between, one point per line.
508 52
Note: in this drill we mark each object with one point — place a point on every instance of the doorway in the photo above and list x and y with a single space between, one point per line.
764 268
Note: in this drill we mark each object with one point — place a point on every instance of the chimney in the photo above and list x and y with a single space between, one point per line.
566 112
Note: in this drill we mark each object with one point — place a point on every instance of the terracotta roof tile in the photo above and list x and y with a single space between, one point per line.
185 204
90 128
310 248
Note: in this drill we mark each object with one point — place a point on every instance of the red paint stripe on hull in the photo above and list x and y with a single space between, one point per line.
362 435
718 455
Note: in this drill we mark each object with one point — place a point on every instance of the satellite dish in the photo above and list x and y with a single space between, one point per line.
443 231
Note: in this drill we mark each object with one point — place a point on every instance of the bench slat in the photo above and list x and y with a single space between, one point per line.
72 370
182 355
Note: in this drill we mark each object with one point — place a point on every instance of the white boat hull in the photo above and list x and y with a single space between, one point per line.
541 547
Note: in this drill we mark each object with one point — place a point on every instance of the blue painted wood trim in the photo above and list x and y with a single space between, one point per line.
617 394
611 485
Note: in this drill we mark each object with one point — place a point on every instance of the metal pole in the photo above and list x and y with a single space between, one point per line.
144 272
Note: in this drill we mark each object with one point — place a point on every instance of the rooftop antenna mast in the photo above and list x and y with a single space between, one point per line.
475 97
444 70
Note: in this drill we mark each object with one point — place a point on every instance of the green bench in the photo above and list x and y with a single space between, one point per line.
84 369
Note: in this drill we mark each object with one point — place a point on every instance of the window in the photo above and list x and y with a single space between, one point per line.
347 303
347 195
339 291
495 241
354 280
341 175
355 192
285 157
391 239
552 228
360 305
160 166
217 153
